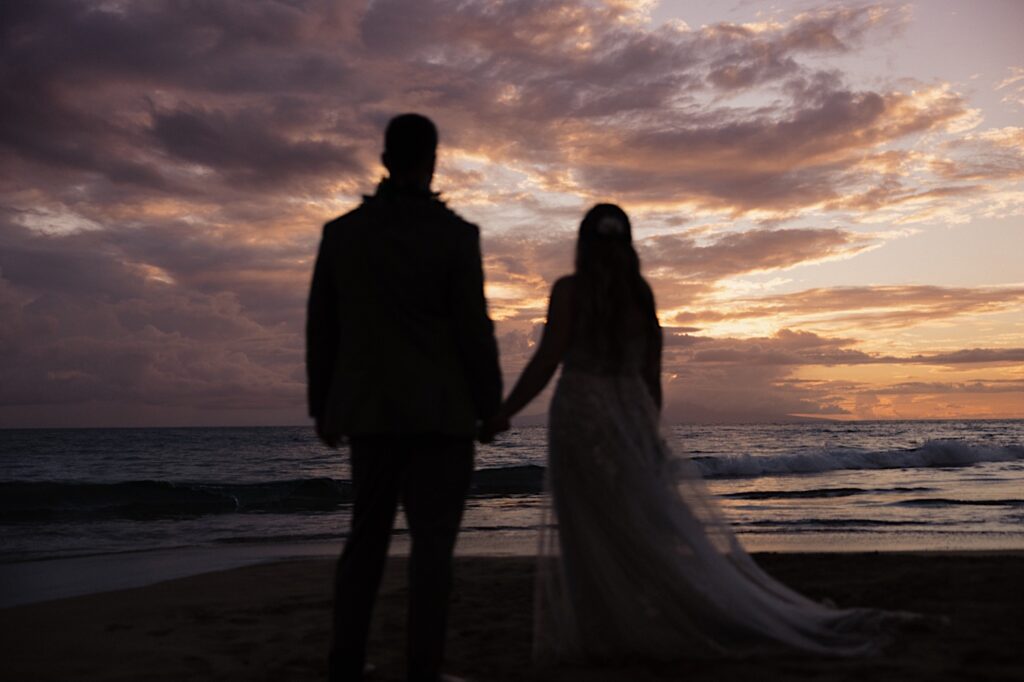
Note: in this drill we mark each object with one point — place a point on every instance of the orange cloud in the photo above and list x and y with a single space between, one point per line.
868 307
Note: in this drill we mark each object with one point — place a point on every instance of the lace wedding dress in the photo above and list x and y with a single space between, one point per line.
636 559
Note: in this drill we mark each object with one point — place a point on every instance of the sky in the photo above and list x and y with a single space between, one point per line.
828 199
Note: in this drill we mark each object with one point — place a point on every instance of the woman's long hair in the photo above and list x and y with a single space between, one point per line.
608 284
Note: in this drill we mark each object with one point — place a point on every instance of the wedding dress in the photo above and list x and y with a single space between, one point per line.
637 561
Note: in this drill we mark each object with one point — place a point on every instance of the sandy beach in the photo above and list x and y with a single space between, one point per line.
270 622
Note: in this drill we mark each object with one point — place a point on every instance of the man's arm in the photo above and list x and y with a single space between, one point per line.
322 335
474 329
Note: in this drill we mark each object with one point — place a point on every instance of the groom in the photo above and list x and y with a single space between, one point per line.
401 359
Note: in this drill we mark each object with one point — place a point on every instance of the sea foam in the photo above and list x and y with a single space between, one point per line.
932 454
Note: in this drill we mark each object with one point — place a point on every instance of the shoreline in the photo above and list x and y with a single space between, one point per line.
271 621
37 580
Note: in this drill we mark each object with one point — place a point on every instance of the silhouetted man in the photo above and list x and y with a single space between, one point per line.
401 359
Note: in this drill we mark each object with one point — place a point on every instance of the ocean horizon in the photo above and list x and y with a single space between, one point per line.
190 499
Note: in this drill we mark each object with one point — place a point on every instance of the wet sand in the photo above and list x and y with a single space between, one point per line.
271 622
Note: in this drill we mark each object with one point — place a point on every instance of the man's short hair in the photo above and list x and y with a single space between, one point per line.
409 140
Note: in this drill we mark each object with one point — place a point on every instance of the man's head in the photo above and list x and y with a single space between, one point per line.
410 149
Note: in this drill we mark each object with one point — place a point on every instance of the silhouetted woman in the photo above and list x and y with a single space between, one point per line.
636 559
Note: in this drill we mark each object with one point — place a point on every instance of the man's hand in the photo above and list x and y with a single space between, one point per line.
326 437
493 426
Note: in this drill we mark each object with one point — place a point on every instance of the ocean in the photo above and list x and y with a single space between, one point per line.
194 496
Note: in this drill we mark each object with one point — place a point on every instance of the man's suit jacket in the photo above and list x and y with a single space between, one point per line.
398 339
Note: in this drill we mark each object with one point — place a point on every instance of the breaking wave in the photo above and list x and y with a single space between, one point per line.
28 501
932 454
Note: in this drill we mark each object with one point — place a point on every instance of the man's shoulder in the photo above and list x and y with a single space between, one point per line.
357 216
565 283
446 214
436 209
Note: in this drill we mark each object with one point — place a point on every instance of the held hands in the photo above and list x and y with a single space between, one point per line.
495 425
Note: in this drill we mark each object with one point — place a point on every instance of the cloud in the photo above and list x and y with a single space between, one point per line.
683 267
86 322
184 101
165 168
798 347
268 92
245 148
751 251
198 100
971 356
994 154
760 379
1012 87
777 161
867 307
917 388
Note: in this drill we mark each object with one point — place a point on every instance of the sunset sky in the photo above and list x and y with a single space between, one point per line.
828 199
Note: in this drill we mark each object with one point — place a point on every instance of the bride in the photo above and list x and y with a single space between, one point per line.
637 560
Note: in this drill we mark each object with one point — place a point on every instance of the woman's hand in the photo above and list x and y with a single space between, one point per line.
496 424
